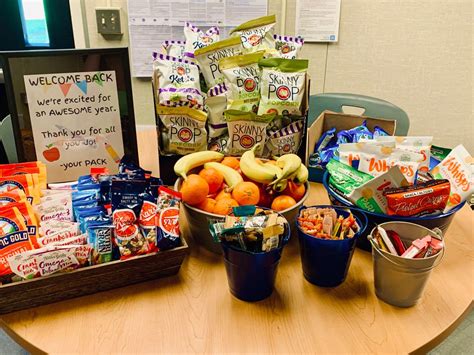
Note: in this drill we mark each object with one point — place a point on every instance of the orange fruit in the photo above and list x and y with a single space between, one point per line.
207 205
283 202
213 178
224 206
294 190
246 193
231 161
223 194
194 190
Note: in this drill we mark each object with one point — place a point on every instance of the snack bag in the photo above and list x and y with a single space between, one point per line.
23 182
370 197
218 144
242 75
208 59
282 86
246 129
101 239
58 236
19 169
14 237
54 226
184 130
167 219
421 145
456 168
285 141
344 178
216 104
173 49
28 215
196 38
256 34
288 47
59 208
177 82
146 220
12 196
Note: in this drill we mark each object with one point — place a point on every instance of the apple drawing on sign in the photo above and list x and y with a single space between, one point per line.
51 154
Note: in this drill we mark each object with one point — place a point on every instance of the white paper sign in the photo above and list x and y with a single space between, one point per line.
318 20
75 120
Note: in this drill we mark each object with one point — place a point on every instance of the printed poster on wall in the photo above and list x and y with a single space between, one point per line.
75 120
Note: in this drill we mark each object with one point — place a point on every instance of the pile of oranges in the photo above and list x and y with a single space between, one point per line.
207 191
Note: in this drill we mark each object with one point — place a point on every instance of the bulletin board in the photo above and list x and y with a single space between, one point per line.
71 109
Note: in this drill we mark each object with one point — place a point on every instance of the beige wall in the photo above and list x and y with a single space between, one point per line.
416 54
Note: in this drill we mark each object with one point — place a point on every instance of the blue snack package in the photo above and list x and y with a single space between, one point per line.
325 140
343 137
83 205
88 186
327 155
100 236
379 132
167 229
359 132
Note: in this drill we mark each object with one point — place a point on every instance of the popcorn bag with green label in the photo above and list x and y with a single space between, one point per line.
242 75
183 131
208 59
256 34
282 86
245 130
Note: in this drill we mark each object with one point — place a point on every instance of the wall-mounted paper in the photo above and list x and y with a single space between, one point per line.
75 120
318 20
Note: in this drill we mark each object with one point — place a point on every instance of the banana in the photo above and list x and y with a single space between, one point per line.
301 175
231 176
256 170
281 185
193 160
289 163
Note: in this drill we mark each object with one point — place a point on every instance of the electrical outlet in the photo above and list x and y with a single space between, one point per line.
108 21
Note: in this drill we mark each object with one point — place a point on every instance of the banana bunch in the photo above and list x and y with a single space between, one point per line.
193 160
287 167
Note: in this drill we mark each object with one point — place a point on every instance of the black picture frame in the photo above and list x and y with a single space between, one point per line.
128 127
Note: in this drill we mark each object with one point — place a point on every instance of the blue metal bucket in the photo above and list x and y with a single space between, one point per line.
326 262
441 221
251 276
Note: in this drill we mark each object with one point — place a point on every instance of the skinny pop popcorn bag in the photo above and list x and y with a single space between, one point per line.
216 104
196 38
288 47
256 34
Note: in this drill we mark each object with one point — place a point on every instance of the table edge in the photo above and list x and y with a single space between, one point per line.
20 340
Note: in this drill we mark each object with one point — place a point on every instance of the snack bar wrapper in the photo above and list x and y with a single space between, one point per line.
256 34
197 39
456 168
287 46
370 197
344 178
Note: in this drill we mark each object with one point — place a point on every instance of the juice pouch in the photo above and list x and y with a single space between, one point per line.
23 182
242 75
216 104
285 141
12 196
173 48
28 215
288 47
208 59
345 178
456 168
178 82
197 39
14 237
256 34
184 130
370 197
167 219
282 86
421 145
245 130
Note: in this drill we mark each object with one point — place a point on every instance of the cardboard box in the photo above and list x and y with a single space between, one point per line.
341 121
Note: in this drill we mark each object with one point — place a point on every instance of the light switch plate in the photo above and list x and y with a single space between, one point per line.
108 20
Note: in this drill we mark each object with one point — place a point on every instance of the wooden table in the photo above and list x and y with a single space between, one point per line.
194 312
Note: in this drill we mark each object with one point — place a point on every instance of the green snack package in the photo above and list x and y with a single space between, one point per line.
345 178
439 153
208 59
256 34
282 86
242 75
245 130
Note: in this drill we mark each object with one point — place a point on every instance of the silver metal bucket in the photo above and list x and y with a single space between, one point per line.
401 281
198 220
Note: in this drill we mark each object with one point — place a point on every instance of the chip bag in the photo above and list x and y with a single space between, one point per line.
421 145
256 34
246 129
14 237
167 219
184 130
29 216
216 104
242 75
177 82
285 141
196 38
288 47
208 59
218 144
12 196
25 182
36 167
173 49
282 86
456 168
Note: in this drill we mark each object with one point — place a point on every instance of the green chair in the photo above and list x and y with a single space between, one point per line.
372 107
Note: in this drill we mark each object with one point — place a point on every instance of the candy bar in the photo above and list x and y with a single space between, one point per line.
417 246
